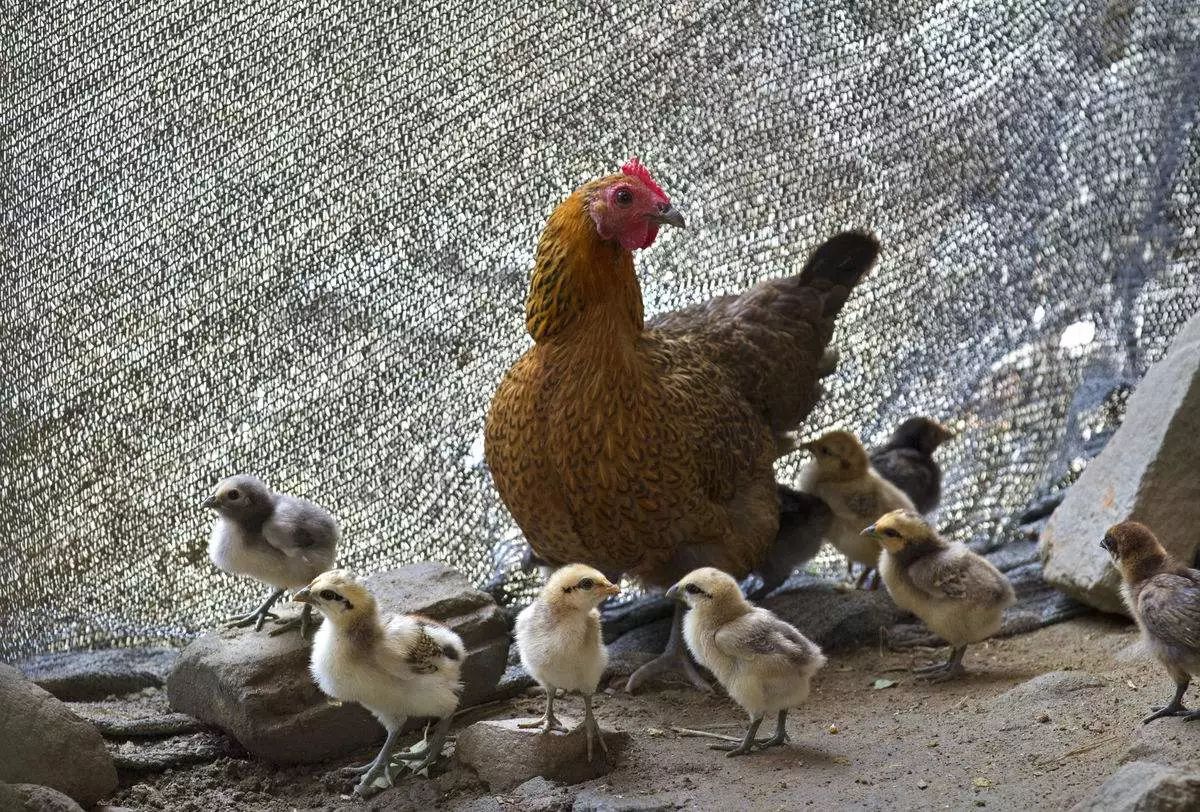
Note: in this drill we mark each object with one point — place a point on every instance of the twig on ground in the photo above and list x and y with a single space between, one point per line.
687 731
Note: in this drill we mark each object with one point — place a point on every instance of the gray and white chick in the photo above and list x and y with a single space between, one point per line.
396 667
764 663
558 637
906 460
959 594
283 541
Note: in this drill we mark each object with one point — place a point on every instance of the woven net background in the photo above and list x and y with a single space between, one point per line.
293 238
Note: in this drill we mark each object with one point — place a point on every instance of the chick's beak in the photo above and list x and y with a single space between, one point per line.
209 502
303 596
610 589
669 215
869 530
673 593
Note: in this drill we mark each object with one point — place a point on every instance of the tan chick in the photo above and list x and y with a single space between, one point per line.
764 663
396 667
1164 597
958 593
840 473
558 637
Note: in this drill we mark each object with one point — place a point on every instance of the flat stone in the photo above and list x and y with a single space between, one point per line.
171 753
833 619
258 688
505 756
35 798
1141 786
84 676
1054 685
127 720
43 742
541 795
596 800
1146 472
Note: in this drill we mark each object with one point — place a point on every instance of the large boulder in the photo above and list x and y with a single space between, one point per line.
1146 472
43 742
258 688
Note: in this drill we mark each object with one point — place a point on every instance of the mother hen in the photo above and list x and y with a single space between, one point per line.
648 448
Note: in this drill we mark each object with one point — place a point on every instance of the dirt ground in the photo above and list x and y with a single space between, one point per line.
960 745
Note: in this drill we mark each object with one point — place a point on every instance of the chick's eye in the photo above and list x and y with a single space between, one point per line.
692 588
623 197
234 495
328 595
890 533
587 583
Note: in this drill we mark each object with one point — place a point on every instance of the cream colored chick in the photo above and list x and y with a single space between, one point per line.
764 663
959 594
840 473
395 667
558 637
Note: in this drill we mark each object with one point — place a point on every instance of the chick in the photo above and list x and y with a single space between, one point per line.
765 664
281 540
803 524
906 460
558 637
840 473
395 667
1164 598
959 594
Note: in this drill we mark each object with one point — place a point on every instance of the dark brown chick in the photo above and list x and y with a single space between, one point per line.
1164 598
906 460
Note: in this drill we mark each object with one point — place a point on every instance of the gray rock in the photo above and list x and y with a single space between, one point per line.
1144 787
1053 686
171 753
596 800
836 620
35 798
87 676
539 795
505 756
258 689
42 742
127 720
1146 472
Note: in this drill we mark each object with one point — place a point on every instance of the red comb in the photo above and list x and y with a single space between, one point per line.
634 169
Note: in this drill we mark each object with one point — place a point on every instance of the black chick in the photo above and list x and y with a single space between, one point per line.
804 520
906 460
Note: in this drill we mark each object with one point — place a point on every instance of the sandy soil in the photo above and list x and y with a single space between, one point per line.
961 745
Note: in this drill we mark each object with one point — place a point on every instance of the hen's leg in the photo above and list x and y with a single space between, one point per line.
259 616
674 656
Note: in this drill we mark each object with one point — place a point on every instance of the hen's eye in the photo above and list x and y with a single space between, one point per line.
328 595
587 583
693 589
623 197
234 495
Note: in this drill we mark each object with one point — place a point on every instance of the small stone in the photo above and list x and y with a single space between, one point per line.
505 756
1043 717
595 800
922 784
833 728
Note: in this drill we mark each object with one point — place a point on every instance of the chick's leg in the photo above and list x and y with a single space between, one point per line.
1174 707
304 622
747 743
549 722
259 616
781 734
379 767
591 726
674 656
949 670
431 751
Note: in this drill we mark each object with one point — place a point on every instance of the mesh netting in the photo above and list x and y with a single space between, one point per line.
293 238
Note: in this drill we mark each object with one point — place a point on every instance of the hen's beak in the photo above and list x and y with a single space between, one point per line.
610 589
303 596
209 502
673 593
670 216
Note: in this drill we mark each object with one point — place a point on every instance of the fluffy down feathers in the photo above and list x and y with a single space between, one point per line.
648 449
906 460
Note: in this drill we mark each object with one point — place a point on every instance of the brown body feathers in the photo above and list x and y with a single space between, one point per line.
647 449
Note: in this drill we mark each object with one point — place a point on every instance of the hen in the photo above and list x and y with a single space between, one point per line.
647 449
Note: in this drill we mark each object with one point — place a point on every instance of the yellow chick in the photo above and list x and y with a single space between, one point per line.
840 473
558 637
958 593
764 663
395 667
